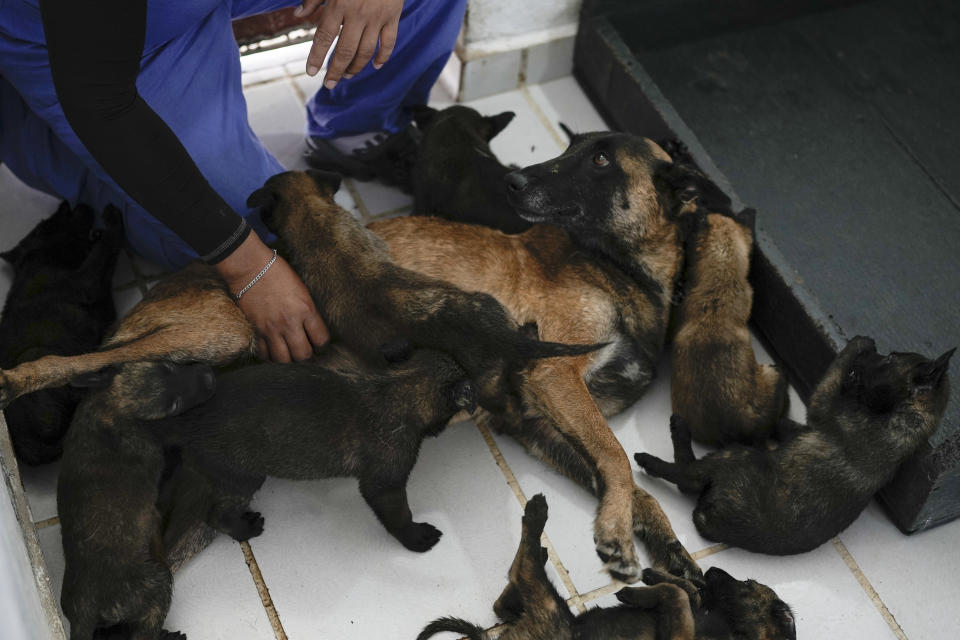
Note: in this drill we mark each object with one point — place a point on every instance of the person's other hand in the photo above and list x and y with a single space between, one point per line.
364 22
278 305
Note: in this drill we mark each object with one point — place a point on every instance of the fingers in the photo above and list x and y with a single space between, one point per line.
327 31
365 50
278 348
344 54
388 39
307 7
316 330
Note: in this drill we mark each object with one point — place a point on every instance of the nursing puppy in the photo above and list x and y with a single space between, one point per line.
60 303
382 310
670 608
116 574
457 176
331 418
716 384
866 416
603 269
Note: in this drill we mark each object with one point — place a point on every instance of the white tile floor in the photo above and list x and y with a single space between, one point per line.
324 567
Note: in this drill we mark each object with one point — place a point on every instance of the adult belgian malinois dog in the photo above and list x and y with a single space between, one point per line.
602 270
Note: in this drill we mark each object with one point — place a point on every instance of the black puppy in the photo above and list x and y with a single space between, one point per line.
60 303
116 574
334 417
669 608
866 416
457 176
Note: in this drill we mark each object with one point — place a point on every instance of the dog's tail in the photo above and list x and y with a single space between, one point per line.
454 625
532 349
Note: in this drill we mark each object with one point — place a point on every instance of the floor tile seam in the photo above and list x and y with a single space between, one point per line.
358 201
865 584
275 78
709 551
552 129
522 499
263 591
600 592
46 522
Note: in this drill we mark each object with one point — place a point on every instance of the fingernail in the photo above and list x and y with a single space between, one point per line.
347 76
312 70
298 11
377 65
329 84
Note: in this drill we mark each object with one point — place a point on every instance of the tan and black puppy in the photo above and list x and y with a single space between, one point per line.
332 417
116 574
716 384
670 608
457 176
381 310
603 270
866 416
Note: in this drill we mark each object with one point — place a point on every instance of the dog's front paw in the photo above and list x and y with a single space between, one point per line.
678 562
419 536
645 459
535 513
248 524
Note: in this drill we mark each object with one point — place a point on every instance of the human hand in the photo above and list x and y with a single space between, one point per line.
363 22
278 305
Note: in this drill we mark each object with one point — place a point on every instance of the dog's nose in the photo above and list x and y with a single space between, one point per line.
516 180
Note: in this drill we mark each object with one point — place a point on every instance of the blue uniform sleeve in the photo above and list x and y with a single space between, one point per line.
95 50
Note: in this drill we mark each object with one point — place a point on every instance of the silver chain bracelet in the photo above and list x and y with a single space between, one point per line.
257 277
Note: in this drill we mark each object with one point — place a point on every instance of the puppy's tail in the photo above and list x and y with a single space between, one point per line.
454 625
530 349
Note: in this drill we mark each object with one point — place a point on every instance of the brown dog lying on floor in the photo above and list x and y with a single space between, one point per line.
669 609
866 416
607 275
716 383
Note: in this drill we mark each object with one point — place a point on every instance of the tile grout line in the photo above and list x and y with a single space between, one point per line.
868 588
599 592
709 551
47 522
263 591
357 200
551 128
545 540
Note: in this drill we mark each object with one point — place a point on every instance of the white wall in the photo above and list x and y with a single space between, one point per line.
497 19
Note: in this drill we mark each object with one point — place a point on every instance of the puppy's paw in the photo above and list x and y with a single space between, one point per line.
621 565
644 460
8 392
172 635
678 562
535 513
248 524
419 536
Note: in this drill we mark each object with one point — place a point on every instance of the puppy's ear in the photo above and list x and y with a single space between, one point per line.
929 375
95 379
326 180
422 115
498 123
263 198
12 256
567 131
783 620
747 218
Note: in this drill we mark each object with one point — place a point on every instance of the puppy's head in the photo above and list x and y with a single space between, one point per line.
605 185
443 388
62 240
752 610
897 399
291 192
151 390
459 123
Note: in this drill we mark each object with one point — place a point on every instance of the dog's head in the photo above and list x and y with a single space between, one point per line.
441 390
897 399
151 390
63 240
459 122
752 610
292 191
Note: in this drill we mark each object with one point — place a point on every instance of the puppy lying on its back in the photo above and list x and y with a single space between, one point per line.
382 310
866 416
331 418
60 303
717 385
116 571
456 176
668 609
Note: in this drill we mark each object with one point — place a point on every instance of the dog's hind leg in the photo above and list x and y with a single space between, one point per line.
529 589
672 605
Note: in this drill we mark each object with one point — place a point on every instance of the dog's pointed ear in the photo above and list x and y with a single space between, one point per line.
929 375
263 198
422 115
95 379
326 180
12 256
498 123
567 131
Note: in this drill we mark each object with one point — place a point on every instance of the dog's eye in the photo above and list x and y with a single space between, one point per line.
601 159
